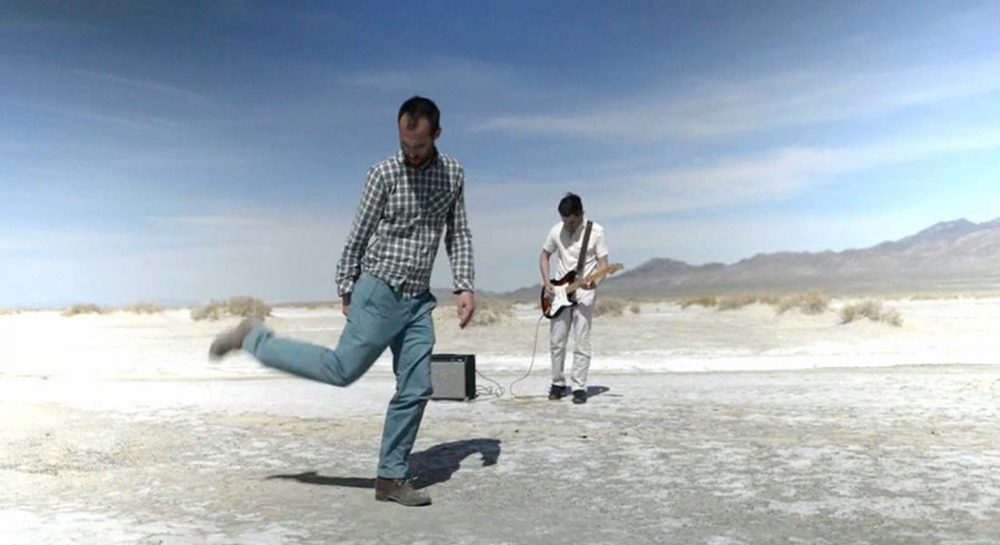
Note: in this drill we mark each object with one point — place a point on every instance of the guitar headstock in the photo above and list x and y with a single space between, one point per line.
595 276
609 270
601 273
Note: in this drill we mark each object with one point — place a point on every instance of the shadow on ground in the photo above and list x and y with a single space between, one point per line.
428 467
598 390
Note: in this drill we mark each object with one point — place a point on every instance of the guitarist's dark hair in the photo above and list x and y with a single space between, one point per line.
570 205
419 107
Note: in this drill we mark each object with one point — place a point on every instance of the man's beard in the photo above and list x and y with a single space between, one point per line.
409 163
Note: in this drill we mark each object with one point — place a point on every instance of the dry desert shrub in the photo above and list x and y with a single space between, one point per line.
609 306
871 309
893 318
769 299
144 308
8 311
491 311
807 303
737 301
928 297
316 305
234 306
703 301
87 308
635 307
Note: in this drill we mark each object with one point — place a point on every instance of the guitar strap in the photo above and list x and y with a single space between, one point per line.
582 261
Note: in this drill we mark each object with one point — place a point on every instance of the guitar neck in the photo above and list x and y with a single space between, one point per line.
592 278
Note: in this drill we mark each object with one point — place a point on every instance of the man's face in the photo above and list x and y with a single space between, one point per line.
417 140
572 222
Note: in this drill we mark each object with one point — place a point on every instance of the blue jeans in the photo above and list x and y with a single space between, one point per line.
380 317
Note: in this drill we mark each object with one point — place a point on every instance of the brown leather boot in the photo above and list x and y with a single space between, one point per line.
400 491
233 339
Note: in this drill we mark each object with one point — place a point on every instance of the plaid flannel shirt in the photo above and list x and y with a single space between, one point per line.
397 229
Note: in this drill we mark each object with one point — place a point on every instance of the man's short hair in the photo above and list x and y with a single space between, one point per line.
419 107
570 205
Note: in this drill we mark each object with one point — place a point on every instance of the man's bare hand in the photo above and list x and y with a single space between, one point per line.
550 290
345 303
466 307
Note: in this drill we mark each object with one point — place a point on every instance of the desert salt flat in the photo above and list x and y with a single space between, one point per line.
662 337
736 427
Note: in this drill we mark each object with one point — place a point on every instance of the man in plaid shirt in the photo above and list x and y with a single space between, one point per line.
383 279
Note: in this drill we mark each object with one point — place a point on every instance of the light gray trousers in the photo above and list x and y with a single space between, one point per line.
575 320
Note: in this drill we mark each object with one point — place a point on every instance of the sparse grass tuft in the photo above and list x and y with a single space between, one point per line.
872 310
143 308
737 301
893 318
609 306
491 311
83 309
807 303
234 306
316 305
703 301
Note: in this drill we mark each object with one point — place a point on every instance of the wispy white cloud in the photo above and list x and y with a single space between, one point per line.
219 221
266 230
119 108
658 213
729 238
142 85
131 121
292 253
455 72
763 177
276 254
45 26
725 107
775 175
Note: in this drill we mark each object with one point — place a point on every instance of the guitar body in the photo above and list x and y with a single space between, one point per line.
552 307
565 289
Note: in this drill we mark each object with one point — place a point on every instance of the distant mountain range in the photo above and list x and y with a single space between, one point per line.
948 257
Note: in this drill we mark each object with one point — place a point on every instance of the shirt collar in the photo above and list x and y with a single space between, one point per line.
583 225
435 159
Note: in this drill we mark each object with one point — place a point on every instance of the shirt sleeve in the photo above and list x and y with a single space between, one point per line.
369 212
550 242
458 241
601 244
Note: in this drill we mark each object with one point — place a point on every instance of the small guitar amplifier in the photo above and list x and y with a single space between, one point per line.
453 376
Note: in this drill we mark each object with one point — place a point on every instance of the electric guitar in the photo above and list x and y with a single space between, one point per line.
567 286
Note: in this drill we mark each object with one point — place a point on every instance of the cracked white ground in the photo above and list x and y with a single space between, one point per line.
738 427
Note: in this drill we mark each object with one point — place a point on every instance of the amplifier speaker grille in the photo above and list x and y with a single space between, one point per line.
453 376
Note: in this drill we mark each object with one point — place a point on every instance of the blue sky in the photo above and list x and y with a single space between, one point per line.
181 151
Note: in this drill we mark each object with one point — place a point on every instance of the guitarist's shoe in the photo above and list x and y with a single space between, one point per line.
580 396
557 392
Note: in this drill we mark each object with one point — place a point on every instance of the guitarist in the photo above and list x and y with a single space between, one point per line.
567 240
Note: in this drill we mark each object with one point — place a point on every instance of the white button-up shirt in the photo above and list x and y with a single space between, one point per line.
566 247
